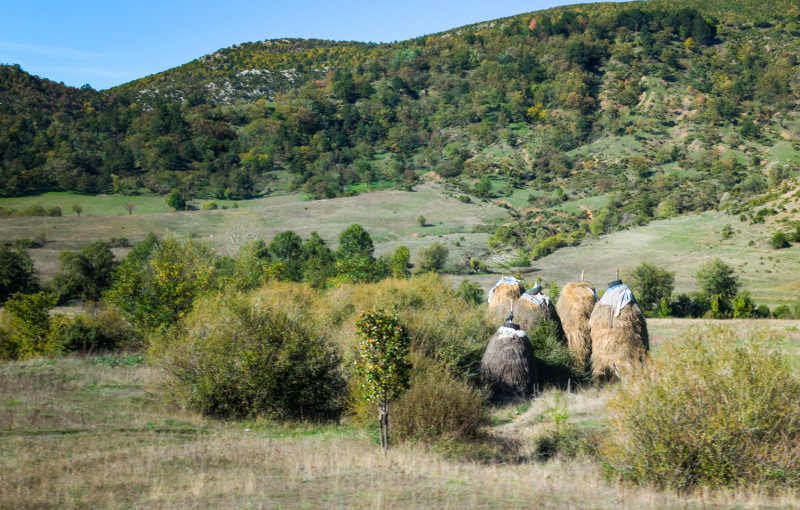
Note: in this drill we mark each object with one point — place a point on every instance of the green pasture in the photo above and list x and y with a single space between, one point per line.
389 216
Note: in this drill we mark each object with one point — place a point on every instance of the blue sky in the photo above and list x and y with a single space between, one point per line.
109 43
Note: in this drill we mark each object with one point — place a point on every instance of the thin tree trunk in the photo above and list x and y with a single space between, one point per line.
383 421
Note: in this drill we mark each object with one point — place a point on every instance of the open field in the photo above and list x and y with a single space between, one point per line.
81 433
389 216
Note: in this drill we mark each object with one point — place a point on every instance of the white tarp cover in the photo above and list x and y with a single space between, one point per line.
539 299
591 290
503 279
618 297
511 332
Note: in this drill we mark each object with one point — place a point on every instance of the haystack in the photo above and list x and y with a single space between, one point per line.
533 307
507 367
619 335
574 307
506 290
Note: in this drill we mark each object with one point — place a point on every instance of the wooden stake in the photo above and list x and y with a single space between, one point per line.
582 273
617 278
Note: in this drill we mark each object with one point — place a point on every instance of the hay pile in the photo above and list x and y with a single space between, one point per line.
507 367
574 307
530 309
619 336
506 290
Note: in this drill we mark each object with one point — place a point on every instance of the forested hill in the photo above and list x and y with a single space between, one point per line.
652 104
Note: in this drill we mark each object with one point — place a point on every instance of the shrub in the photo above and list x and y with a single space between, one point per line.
548 246
650 284
432 258
438 406
211 205
708 413
85 274
779 241
762 312
562 438
470 292
158 282
782 312
101 331
176 200
235 357
26 325
17 273
555 362
717 278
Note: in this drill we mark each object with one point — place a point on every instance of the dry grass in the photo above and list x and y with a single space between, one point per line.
79 435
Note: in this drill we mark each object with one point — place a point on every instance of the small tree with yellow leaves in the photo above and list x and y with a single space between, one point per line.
383 363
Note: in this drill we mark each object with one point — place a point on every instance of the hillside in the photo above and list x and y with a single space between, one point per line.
584 118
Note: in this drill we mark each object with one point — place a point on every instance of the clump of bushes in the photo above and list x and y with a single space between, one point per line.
233 357
709 413
102 330
438 406
28 330
25 326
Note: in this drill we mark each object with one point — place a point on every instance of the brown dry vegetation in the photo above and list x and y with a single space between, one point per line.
80 434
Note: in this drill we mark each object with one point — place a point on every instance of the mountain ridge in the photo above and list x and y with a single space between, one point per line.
641 110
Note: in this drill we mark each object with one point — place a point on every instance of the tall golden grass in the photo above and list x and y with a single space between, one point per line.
80 435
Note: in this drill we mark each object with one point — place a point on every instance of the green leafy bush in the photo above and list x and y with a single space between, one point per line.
711 413
779 240
235 357
438 406
17 273
26 326
101 331
157 284
555 362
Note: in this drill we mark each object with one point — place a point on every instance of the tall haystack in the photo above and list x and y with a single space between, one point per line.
619 335
532 307
508 367
506 290
574 307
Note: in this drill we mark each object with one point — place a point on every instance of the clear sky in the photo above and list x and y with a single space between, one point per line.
109 43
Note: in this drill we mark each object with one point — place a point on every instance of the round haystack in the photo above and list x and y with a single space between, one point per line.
505 291
574 307
507 367
530 309
619 336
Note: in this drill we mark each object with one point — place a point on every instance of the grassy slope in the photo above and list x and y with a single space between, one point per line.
389 216
78 434
678 244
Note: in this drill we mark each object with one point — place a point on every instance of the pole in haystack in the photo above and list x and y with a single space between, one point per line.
620 341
